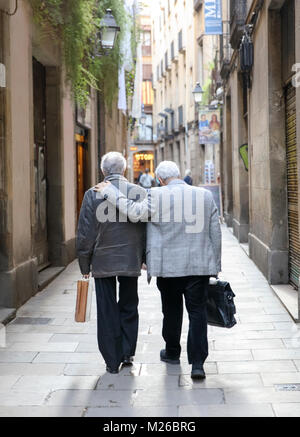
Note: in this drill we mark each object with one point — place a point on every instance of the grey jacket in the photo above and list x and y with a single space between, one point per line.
176 247
113 246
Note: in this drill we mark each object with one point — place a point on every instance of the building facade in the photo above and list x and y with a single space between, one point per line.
141 145
261 138
182 56
49 156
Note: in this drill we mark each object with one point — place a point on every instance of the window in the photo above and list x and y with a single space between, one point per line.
180 40
172 121
180 115
146 38
171 152
147 71
172 50
178 153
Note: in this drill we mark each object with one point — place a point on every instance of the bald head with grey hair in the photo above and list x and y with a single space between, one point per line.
113 163
167 170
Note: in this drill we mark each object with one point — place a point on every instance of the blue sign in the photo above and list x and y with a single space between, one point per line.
213 17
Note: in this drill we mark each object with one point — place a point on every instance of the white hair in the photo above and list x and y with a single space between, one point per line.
188 172
113 162
167 170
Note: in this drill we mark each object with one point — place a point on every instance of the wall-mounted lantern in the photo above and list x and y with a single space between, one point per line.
107 35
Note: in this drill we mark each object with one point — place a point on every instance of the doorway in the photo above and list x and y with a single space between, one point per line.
40 232
82 161
141 161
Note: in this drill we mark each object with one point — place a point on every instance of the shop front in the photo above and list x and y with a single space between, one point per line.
141 161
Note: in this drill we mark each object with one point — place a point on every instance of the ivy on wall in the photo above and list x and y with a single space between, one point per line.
76 24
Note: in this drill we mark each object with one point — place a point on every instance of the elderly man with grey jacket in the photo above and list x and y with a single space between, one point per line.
112 247
183 251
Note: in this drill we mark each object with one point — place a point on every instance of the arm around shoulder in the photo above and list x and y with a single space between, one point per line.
135 211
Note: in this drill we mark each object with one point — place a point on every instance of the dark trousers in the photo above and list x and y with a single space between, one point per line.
117 322
194 289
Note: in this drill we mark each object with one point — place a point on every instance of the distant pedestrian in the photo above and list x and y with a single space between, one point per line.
146 180
113 250
188 177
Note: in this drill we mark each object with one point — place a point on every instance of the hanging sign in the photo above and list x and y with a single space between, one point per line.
213 17
209 126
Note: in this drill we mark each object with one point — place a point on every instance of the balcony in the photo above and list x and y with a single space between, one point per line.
146 51
174 57
157 74
238 14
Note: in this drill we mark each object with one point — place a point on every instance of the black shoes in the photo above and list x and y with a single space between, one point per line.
127 360
110 370
198 372
164 357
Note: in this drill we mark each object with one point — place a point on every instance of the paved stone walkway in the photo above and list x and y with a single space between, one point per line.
51 365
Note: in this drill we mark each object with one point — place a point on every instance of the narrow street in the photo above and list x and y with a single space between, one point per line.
51 365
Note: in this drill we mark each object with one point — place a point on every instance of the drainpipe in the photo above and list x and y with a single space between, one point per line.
101 131
98 136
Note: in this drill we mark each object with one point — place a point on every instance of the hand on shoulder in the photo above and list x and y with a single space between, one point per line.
100 187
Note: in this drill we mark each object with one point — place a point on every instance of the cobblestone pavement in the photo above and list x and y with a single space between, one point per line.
51 365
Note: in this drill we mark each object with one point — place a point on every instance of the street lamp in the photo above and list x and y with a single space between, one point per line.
198 93
109 30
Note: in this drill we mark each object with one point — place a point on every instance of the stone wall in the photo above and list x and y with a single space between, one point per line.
18 263
259 195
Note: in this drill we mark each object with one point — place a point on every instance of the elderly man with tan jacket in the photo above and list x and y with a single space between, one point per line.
183 250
